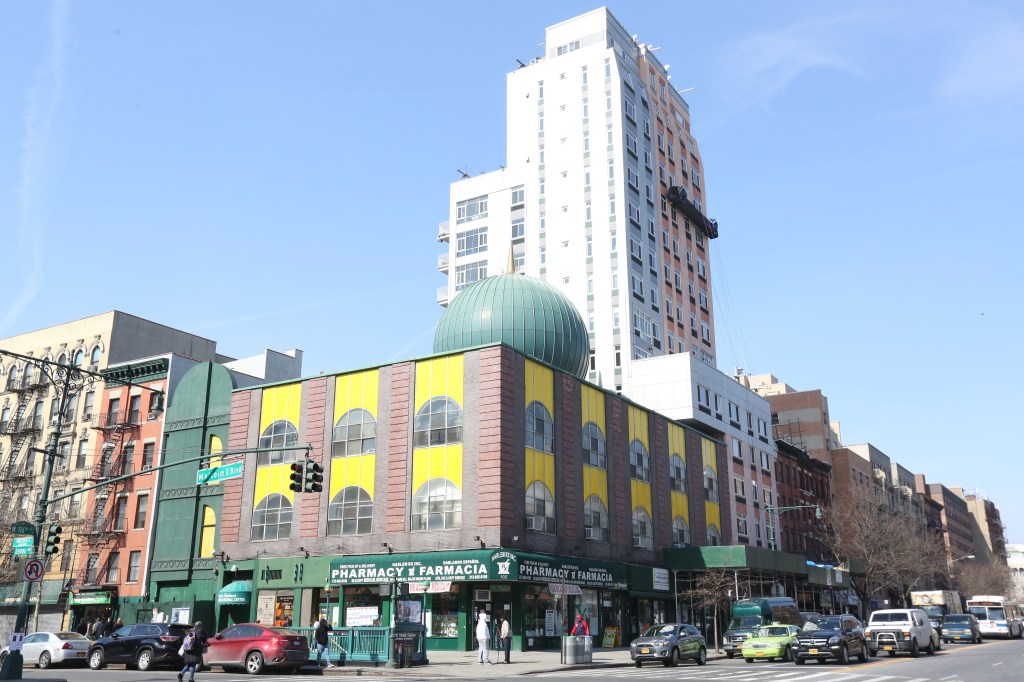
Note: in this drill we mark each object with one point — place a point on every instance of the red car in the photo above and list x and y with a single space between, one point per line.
254 648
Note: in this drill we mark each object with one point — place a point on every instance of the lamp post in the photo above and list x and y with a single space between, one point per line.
327 594
392 663
773 512
949 569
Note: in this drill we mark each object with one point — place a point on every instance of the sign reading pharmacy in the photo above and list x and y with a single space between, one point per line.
475 565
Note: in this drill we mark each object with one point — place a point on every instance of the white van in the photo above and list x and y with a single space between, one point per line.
893 630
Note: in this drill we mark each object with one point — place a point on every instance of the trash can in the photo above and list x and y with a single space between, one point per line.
586 654
572 650
406 659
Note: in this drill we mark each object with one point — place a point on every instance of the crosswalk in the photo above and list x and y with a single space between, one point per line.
742 675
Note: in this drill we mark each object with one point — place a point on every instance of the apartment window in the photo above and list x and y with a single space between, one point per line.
739 487
90 399
134 561
703 396
741 524
636 250
737 448
701 271
677 473
469 273
475 208
141 509
631 144
695 176
518 228
643 530
113 563
647 128
74 504
630 111
471 241
634 213
766 460
710 485
595 519
705 331
639 462
637 286
134 408
703 299
113 411
633 179
91 567
734 412
148 450
67 553
121 512
539 428
101 510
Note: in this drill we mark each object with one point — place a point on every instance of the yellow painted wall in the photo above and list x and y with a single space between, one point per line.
677 446
640 491
279 403
355 391
595 480
206 542
216 446
712 511
434 378
540 386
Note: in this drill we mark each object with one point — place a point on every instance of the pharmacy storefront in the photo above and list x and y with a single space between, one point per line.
443 591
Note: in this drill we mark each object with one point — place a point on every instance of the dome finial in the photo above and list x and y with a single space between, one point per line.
511 269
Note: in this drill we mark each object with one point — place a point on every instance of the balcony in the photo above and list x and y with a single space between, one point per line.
442 296
442 263
443 231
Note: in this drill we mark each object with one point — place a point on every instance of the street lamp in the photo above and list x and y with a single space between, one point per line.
327 594
775 511
949 569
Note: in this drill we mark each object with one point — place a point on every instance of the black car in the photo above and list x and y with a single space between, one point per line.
141 646
825 637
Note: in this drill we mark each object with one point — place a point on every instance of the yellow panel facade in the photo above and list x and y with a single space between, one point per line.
351 392
638 426
206 542
540 386
279 403
641 495
595 480
677 446
592 401
712 511
436 378
273 479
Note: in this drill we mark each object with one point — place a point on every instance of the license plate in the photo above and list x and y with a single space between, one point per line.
297 642
80 653
956 636
759 653
645 651
887 648
813 651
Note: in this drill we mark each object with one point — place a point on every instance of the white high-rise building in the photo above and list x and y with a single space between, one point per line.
602 195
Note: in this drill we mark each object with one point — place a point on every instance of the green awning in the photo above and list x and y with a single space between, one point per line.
10 594
236 593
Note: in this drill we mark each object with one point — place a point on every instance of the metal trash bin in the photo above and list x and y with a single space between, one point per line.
572 650
406 660
586 653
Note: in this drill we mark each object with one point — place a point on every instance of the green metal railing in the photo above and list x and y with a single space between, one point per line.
352 644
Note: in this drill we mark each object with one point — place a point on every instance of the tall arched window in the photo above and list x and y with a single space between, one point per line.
350 512
677 473
94 358
595 519
710 485
354 434
280 434
12 377
79 358
714 537
438 422
639 462
437 505
29 374
539 428
540 508
62 359
643 531
593 446
272 519
680 533
208 535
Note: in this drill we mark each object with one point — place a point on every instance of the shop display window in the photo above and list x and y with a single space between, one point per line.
444 615
543 613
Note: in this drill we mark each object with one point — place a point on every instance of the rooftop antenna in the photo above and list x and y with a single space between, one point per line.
463 173
520 63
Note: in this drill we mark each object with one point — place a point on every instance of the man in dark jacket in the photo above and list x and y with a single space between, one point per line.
321 640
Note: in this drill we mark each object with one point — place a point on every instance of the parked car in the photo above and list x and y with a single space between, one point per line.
44 649
770 642
825 637
142 646
256 647
961 627
669 643
894 630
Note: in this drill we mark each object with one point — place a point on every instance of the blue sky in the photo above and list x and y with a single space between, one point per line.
272 175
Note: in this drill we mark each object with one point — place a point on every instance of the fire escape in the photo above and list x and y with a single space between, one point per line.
105 526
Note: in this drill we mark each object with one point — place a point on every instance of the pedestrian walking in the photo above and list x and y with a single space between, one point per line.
83 626
320 636
581 627
483 639
192 651
505 637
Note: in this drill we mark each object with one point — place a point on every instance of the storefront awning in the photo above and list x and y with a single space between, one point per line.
236 593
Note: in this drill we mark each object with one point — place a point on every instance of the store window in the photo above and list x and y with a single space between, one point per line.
277 607
362 606
444 615
543 612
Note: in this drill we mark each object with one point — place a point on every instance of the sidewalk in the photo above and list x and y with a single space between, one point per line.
463 664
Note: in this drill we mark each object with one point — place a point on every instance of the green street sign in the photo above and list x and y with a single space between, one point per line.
22 546
225 471
23 528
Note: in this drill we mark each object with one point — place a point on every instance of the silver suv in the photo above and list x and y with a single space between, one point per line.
893 630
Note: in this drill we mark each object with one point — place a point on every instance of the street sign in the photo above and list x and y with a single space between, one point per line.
23 528
22 546
225 471
34 570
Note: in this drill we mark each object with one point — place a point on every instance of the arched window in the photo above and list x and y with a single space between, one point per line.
209 532
437 505
539 428
355 434
643 531
280 434
350 512
94 359
639 462
540 508
272 519
680 533
595 519
677 473
62 359
12 378
79 358
714 538
438 422
30 374
710 485
593 446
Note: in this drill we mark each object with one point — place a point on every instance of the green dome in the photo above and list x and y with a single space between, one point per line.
522 312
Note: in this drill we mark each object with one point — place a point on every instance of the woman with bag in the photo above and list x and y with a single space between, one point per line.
192 651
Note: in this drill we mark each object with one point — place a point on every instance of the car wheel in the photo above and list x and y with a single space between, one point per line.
748 660
144 661
3 657
44 660
729 654
843 657
254 663
800 661
96 659
931 648
978 641
863 655
787 655
638 664
915 650
674 661
702 656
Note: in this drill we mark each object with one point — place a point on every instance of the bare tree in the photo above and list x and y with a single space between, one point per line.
983 577
713 590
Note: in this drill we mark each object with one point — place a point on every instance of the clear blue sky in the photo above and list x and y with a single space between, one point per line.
272 175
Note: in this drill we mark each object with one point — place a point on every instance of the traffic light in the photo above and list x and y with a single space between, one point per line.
296 477
314 477
53 539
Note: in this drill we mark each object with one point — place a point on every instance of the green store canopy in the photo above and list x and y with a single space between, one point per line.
233 594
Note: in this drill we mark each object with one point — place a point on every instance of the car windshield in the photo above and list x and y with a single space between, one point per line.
889 617
64 636
996 614
957 619
771 632
744 622
659 631
821 624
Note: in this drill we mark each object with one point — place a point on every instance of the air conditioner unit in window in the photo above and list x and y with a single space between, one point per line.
481 595
638 542
592 533
152 415
536 523
53 421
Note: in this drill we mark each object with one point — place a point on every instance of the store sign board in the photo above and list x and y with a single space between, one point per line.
76 598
